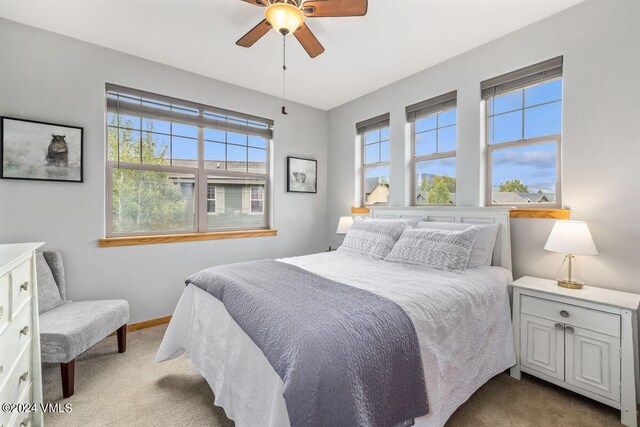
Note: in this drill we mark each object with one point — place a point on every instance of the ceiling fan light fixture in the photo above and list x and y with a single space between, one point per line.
285 18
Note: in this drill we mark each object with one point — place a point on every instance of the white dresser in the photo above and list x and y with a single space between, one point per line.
20 376
584 340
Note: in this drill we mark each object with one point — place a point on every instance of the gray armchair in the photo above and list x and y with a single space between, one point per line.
68 329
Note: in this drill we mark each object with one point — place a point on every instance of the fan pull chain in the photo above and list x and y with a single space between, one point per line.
284 71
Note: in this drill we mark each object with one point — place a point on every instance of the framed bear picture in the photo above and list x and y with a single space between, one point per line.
40 151
302 175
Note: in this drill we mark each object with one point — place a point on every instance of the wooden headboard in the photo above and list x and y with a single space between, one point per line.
502 249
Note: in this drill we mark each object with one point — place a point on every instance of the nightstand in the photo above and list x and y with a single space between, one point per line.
584 340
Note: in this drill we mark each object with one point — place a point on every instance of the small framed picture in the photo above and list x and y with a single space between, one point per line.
302 175
40 151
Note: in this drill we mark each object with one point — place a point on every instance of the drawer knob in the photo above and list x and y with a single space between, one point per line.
25 422
559 326
569 329
564 313
25 330
24 286
24 376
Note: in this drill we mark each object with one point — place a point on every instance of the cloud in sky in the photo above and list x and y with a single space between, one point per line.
538 159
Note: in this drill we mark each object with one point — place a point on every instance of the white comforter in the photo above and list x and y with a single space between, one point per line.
462 321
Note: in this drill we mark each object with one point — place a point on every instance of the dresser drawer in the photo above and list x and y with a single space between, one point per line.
568 314
5 284
13 340
21 285
23 419
19 380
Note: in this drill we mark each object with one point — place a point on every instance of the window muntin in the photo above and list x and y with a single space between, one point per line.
434 157
375 166
156 165
524 143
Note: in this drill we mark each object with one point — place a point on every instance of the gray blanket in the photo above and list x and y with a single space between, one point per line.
347 357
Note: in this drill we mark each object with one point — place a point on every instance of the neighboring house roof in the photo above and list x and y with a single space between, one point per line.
254 167
535 197
509 197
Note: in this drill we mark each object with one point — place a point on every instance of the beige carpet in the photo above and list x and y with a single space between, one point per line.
131 390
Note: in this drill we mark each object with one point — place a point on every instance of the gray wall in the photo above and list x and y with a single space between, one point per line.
601 138
52 78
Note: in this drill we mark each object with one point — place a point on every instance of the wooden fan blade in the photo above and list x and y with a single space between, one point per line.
334 8
255 34
262 3
308 41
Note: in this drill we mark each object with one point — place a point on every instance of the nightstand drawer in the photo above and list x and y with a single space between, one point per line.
568 314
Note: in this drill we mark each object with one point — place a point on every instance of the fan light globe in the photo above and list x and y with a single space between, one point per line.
285 18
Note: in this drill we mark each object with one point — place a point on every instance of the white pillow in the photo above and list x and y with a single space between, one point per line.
441 249
372 238
482 251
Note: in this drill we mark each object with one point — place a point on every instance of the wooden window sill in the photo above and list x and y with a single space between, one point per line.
540 213
355 210
179 238
513 213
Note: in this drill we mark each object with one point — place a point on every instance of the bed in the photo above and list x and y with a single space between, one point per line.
462 321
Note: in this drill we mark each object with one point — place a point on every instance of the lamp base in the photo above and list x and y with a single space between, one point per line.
569 284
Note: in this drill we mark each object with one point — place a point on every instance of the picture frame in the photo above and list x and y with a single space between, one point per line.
302 175
40 151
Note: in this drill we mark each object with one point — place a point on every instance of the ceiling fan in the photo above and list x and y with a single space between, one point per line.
287 16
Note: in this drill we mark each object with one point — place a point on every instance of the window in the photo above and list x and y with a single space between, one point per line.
374 137
211 198
524 126
257 200
179 167
434 135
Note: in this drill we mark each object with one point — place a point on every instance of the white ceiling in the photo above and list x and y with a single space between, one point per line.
395 39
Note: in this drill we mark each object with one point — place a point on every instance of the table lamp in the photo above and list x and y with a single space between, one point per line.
570 238
344 224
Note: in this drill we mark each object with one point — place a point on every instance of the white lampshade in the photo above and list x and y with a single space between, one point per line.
344 224
571 237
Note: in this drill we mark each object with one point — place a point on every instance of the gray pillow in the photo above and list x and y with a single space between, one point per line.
441 249
373 238
48 292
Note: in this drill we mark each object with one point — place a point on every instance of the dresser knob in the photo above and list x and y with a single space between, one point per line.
24 376
25 422
569 329
564 313
559 326
24 286
25 330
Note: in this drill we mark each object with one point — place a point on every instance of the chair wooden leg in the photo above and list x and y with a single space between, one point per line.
122 339
67 371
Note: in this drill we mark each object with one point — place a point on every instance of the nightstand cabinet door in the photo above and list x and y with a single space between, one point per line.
542 345
593 361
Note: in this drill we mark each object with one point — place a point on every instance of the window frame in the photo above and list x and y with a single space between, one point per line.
436 156
201 174
522 142
364 166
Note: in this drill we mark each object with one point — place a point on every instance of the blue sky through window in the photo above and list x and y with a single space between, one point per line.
538 113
